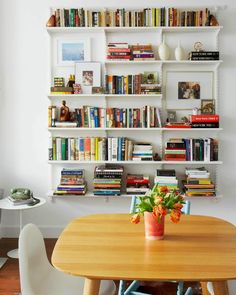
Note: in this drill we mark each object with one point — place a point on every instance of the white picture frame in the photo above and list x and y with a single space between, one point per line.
72 50
88 75
204 78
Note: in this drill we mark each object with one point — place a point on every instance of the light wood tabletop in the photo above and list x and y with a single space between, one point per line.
108 246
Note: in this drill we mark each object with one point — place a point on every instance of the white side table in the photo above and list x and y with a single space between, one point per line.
5 204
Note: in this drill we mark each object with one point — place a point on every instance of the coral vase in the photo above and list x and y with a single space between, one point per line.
154 230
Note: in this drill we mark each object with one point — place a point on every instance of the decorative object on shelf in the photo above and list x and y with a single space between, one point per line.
163 50
77 88
212 21
59 82
198 46
179 52
70 51
97 90
195 111
150 77
88 75
171 116
71 81
208 106
159 202
64 112
51 22
188 90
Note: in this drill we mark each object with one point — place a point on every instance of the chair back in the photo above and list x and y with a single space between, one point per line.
33 263
134 202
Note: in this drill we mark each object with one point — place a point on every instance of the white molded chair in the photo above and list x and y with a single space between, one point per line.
231 287
39 277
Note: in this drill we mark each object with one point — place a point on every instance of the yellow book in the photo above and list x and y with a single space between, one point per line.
96 148
157 17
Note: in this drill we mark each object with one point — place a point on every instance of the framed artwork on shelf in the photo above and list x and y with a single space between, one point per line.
208 106
70 51
186 89
88 75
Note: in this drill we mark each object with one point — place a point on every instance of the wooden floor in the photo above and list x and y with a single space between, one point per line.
9 274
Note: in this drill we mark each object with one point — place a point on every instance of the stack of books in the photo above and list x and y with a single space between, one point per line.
175 150
204 55
137 184
198 183
18 202
204 121
166 177
107 180
118 51
72 182
142 52
142 152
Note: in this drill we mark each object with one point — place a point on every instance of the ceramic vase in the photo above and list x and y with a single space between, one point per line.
179 52
154 230
164 51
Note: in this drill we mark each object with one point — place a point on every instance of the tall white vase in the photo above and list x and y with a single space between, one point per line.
179 52
164 51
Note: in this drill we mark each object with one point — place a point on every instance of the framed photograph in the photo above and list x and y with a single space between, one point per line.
208 106
171 117
188 90
70 51
150 78
185 89
97 90
88 75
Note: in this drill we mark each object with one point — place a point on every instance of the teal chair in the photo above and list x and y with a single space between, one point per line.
132 288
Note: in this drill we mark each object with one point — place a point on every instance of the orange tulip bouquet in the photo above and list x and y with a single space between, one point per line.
159 201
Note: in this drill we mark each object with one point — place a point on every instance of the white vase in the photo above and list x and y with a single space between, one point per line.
179 52
164 51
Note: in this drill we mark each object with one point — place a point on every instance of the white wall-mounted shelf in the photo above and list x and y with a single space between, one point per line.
103 95
137 162
51 129
53 30
176 62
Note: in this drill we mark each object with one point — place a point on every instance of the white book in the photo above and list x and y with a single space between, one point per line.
109 147
114 148
58 148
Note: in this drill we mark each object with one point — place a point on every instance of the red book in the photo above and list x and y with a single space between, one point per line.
134 181
119 49
205 118
178 126
118 57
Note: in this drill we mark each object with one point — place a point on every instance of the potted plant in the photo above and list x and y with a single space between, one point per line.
154 206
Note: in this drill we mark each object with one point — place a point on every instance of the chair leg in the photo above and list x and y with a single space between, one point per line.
180 288
132 287
121 290
189 291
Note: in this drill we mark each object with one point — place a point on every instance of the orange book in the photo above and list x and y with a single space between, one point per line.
87 149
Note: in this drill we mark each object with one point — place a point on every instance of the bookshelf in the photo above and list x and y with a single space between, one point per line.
157 135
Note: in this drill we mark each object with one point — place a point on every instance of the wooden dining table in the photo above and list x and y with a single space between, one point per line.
109 247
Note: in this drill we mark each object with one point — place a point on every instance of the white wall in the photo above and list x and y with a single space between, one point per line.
24 74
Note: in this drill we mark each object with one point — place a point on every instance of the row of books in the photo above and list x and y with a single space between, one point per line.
107 180
72 182
130 84
99 149
95 117
198 183
166 177
178 17
79 17
191 149
124 51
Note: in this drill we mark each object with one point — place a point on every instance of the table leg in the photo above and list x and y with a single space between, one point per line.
204 288
91 287
220 288
2 261
14 253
